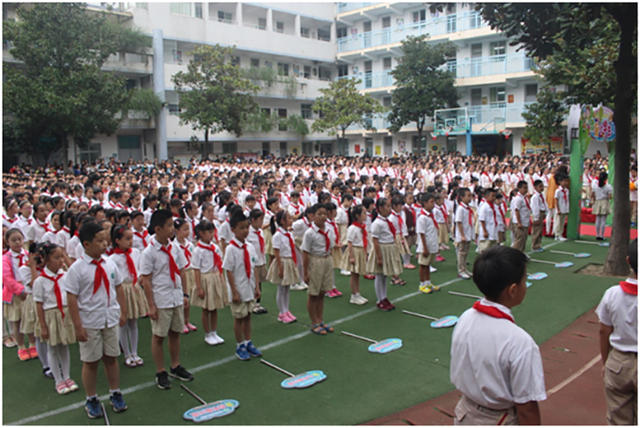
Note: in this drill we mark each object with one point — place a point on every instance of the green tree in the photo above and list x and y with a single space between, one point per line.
544 117
57 89
342 105
545 29
214 95
422 86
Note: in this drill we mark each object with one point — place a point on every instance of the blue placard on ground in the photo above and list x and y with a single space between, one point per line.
564 264
582 255
448 321
537 276
209 411
386 345
304 380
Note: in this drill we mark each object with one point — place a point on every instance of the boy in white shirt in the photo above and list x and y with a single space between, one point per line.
464 231
521 216
427 248
488 221
162 277
562 204
538 213
486 341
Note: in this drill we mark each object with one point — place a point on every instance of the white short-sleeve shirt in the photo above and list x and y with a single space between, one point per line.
167 293
619 310
121 262
538 206
380 229
281 242
489 216
520 204
203 258
234 263
254 240
354 235
426 227
462 216
225 231
313 242
601 193
562 195
43 290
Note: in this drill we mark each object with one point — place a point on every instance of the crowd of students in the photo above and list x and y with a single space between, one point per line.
111 243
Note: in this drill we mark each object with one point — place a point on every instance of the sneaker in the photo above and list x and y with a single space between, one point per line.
252 350
389 305
537 250
46 372
9 342
439 258
62 388
191 327
209 339
117 402
241 353
435 287
363 300
218 339
129 362
409 266
23 354
282 318
162 380
259 309
185 330
432 269
354 299
298 287
345 272
33 352
370 277
380 305
330 293
336 292
139 361
71 385
181 373
562 239
93 408
464 275
426 289
292 317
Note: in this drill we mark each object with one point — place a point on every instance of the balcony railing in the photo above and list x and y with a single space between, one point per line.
346 7
434 27
490 65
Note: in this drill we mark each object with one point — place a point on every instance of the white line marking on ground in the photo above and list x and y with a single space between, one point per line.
228 359
574 376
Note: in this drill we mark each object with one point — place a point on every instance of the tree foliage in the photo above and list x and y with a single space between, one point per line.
422 85
56 87
342 105
544 117
214 95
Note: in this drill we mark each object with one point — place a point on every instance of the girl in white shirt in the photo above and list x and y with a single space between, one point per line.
183 230
601 195
355 259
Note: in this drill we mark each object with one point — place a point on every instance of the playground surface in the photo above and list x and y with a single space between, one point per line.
361 387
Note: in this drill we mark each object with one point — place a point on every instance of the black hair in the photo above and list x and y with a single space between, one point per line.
602 179
150 198
498 267
237 216
535 183
271 201
354 213
330 206
117 232
135 214
223 198
277 219
178 222
347 197
94 210
249 198
204 225
186 206
521 184
255 213
44 250
324 197
120 214
295 194
10 232
633 255
367 202
311 210
158 219
426 197
461 192
88 231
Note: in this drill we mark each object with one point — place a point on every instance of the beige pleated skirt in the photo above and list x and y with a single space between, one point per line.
601 207
61 331
336 255
290 274
342 229
135 299
359 264
28 318
190 280
443 233
391 260
12 311
268 245
216 292
402 245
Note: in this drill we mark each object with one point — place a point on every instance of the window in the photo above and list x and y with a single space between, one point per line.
324 34
180 8
497 48
386 63
144 6
343 70
262 23
307 72
452 65
255 62
266 111
497 94
268 64
177 56
451 22
280 26
91 153
386 101
304 32
305 111
198 10
341 32
226 17
420 15
530 92
230 147
386 22
282 114
283 69
451 8
324 73
283 148
235 60
174 109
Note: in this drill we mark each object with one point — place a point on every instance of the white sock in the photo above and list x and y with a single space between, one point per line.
406 258
133 335
54 364
63 352
427 282
124 340
41 347
380 285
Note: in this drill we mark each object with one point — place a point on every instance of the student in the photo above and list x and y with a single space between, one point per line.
336 237
521 216
464 231
183 230
501 208
561 197
256 238
400 222
355 257
617 312
318 268
39 226
538 213
299 227
601 195
162 277
97 309
487 220
486 341
442 217
55 326
127 259
384 259
238 265
140 232
427 229
210 292
283 270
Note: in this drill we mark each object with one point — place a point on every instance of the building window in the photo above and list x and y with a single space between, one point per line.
307 72
283 148
386 63
282 114
235 60
283 69
386 101
255 62
304 32
324 34
230 147
279 26
386 22
530 92
180 8
451 22
266 111
174 109
307 148
177 56
262 23
497 94
198 10
343 70
324 73
451 8
497 48
91 153
268 64
226 17
419 16
341 32
305 111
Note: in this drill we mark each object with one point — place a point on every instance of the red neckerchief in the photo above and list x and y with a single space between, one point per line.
10 220
492 311
45 226
564 194
327 241
215 235
399 217
306 222
130 265
433 218
21 255
501 210
66 229
335 231
526 201
493 209
28 220
362 227
391 226
413 215
544 204
100 277
292 245
470 213
247 260
173 267
297 208
629 287
56 289
187 253
217 260
443 210
260 238
142 236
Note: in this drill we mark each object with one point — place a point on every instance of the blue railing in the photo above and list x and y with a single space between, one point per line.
434 27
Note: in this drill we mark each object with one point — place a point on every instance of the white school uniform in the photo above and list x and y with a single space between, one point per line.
280 241
167 293
519 203
619 310
313 242
120 261
43 290
425 226
234 263
601 193
202 258
538 206
462 216
489 216
299 228
24 224
140 239
355 236
10 223
380 230
37 231
225 231
562 196
253 239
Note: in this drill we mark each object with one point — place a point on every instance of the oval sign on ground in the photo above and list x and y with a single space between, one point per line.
564 264
537 276
209 411
448 321
304 380
582 255
386 345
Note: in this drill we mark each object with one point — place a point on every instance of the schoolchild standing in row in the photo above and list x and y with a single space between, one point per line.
283 270
355 260
183 231
427 248
464 231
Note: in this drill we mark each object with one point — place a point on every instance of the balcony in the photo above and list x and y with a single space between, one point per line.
490 65
136 120
348 7
434 27
129 63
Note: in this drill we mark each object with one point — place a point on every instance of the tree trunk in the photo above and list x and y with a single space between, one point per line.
616 258
206 143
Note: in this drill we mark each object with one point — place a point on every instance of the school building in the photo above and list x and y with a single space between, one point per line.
297 49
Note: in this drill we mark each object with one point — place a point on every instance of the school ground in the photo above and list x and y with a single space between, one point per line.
407 386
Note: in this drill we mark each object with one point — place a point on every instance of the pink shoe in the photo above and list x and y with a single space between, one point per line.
23 354
292 318
71 385
185 330
409 266
330 293
191 327
283 318
439 258
336 292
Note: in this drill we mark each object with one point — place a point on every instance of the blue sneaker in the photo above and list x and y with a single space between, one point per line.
538 250
117 402
93 408
252 350
241 353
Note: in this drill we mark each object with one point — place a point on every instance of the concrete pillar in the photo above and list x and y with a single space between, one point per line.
296 25
333 32
239 13
269 20
158 89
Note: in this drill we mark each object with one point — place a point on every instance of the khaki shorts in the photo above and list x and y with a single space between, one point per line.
261 273
100 342
168 318
320 275
425 261
242 309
